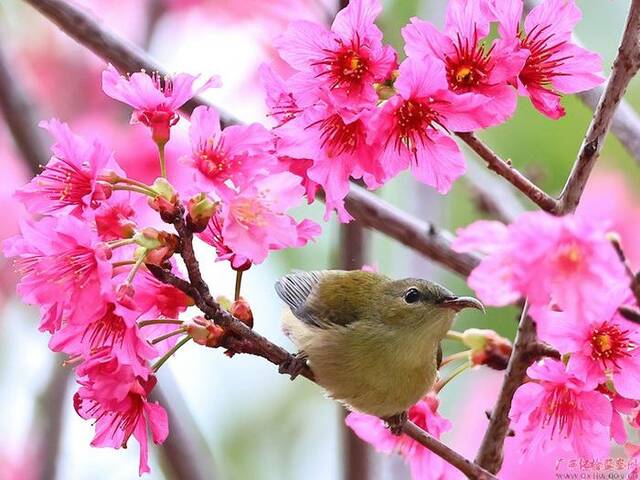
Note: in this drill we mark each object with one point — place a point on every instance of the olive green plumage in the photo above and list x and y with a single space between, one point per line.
371 341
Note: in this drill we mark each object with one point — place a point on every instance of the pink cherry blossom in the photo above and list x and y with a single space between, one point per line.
68 185
255 219
212 235
423 463
238 153
336 142
537 256
555 64
155 100
154 298
345 61
117 399
556 409
60 260
473 69
410 127
281 102
600 341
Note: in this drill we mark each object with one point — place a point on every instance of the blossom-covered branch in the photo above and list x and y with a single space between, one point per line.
625 66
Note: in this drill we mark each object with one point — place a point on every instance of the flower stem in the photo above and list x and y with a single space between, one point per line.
156 366
455 356
136 267
238 284
120 243
442 383
159 321
168 335
163 166
123 263
131 188
136 183
453 335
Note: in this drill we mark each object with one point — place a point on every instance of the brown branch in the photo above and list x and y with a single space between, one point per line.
185 451
525 346
625 66
508 172
19 116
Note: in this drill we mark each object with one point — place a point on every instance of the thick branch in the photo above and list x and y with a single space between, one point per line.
18 114
509 173
490 454
625 66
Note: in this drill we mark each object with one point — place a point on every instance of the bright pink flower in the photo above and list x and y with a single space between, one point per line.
537 256
600 341
212 235
117 399
281 102
345 61
115 219
410 127
558 410
155 100
60 260
336 141
423 463
154 298
621 408
255 219
300 167
68 185
473 70
238 153
555 64
112 332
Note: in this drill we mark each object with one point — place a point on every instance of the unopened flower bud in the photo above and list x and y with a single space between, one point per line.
148 238
200 209
103 251
124 295
242 311
205 332
102 192
166 203
224 302
169 242
487 348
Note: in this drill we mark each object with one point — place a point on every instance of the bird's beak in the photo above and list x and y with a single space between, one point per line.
459 303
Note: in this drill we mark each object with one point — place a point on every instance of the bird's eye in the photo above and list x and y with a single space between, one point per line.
412 295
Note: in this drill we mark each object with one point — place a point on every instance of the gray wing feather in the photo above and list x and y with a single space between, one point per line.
294 289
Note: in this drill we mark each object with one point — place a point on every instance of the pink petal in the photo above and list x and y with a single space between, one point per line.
481 236
422 38
438 162
582 71
561 15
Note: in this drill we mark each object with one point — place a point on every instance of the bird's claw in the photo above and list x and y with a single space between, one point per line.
294 365
395 423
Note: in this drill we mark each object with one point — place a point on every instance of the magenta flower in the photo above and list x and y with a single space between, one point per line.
117 399
255 219
600 341
410 128
154 298
212 235
345 61
558 410
238 153
336 141
155 100
68 185
60 260
555 64
474 71
281 102
537 256
423 463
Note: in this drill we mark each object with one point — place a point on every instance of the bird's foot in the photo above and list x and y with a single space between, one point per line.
294 365
395 423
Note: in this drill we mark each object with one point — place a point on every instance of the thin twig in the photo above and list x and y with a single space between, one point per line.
625 66
508 172
18 113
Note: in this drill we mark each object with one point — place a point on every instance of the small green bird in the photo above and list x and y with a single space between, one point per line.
371 342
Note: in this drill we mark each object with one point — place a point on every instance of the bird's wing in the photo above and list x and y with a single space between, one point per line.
297 291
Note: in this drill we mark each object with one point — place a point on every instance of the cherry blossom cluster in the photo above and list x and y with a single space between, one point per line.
84 253
349 111
568 270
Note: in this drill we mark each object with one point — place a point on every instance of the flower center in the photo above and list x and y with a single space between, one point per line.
413 119
65 183
469 65
338 137
560 411
570 258
609 343
347 66
539 68
249 212
106 332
